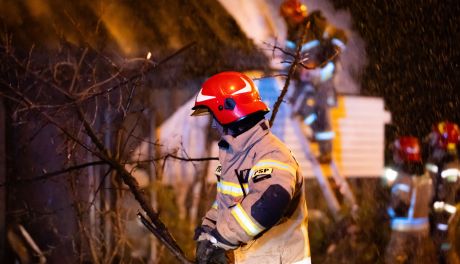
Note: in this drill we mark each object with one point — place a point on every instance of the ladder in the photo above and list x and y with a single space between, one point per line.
340 181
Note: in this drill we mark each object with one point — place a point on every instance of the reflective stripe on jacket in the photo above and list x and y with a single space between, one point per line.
410 199
260 200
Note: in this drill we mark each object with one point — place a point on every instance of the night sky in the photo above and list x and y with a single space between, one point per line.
413 55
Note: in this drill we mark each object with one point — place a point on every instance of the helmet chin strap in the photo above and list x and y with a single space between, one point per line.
238 127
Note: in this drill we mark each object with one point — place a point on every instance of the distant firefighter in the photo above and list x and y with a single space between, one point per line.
444 165
321 44
409 206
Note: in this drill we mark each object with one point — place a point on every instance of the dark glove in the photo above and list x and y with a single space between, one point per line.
201 229
207 253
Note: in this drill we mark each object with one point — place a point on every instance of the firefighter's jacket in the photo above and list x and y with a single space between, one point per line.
445 172
321 40
410 202
260 203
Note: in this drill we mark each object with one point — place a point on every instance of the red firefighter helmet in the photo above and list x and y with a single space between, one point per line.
446 135
406 149
230 97
293 11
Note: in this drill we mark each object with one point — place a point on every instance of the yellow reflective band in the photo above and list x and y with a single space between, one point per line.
304 230
251 228
272 164
232 188
215 205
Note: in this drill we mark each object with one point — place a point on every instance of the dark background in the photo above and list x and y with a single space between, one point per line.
413 59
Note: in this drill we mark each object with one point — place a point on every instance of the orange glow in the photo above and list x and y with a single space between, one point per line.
39 8
114 19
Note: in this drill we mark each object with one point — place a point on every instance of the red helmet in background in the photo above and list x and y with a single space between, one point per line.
446 135
230 97
293 11
406 149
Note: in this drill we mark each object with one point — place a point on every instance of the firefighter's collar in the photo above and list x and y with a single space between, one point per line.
246 139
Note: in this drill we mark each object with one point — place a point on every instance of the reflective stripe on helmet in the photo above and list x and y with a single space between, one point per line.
201 97
251 228
230 97
246 89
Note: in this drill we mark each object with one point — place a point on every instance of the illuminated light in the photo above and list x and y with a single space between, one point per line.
115 20
290 44
442 227
325 135
310 119
431 167
38 8
149 55
442 206
450 208
309 45
338 43
401 187
450 174
412 150
327 71
390 174
438 206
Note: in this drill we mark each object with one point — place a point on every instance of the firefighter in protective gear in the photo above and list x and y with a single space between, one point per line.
444 165
295 15
260 210
314 94
409 206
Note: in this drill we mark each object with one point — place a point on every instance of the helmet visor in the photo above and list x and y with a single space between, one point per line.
200 111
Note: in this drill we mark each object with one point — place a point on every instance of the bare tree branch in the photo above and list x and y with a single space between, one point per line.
49 175
292 69
75 99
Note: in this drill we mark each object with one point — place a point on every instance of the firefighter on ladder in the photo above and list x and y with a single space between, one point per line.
314 94
260 210
409 207
443 165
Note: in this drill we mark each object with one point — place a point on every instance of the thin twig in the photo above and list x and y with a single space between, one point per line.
49 175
